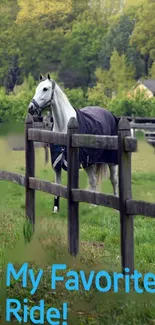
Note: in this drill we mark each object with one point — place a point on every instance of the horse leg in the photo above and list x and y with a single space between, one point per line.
57 198
114 178
91 173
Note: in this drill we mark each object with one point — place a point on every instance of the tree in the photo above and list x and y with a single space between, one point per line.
9 51
143 36
133 3
107 8
79 56
118 37
121 71
117 80
152 71
40 48
35 9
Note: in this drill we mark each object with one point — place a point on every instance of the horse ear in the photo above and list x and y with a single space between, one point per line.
41 77
48 76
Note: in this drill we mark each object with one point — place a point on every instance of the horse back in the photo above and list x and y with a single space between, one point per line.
96 120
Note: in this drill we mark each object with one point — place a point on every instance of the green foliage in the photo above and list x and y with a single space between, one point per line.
139 106
15 104
96 50
5 105
112 82
97 96
76 97
152 71
143 35
27 231
122 73
80 52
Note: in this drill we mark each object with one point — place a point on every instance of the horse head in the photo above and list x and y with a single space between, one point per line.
43 96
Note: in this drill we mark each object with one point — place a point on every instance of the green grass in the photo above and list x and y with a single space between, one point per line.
99 241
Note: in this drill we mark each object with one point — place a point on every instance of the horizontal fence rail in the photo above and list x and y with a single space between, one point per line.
103 142
140 208
12 177
47 187
139 119
109 201
46 136
143 126
95 141
150 134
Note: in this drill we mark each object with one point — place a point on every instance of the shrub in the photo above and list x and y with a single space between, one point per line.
76 97
138 106
15 104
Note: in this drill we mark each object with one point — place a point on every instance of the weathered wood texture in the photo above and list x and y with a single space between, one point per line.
103 142
141 208
38 125
130 144
95 141
12 177
30 171
45 186
142 126
47 136
139 119
42 125
126 221
73 183
97 198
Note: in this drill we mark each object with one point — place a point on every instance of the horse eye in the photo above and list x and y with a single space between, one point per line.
45 89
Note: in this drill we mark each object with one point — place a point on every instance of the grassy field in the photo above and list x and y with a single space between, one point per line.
99 242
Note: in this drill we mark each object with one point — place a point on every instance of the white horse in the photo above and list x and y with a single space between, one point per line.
47 126
49 94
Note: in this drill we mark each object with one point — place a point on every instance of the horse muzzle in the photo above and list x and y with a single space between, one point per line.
31 109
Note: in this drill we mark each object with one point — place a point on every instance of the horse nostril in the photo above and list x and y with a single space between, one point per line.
30 108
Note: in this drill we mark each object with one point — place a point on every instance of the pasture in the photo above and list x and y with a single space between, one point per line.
99 240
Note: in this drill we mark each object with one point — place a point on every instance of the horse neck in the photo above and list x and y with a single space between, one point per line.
62 111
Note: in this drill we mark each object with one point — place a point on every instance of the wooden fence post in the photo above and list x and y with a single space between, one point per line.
125 192
30 171
73 182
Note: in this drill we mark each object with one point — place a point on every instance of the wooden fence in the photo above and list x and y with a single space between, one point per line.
139 120
128 208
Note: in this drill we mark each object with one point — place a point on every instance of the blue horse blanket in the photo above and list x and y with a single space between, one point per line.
91 120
